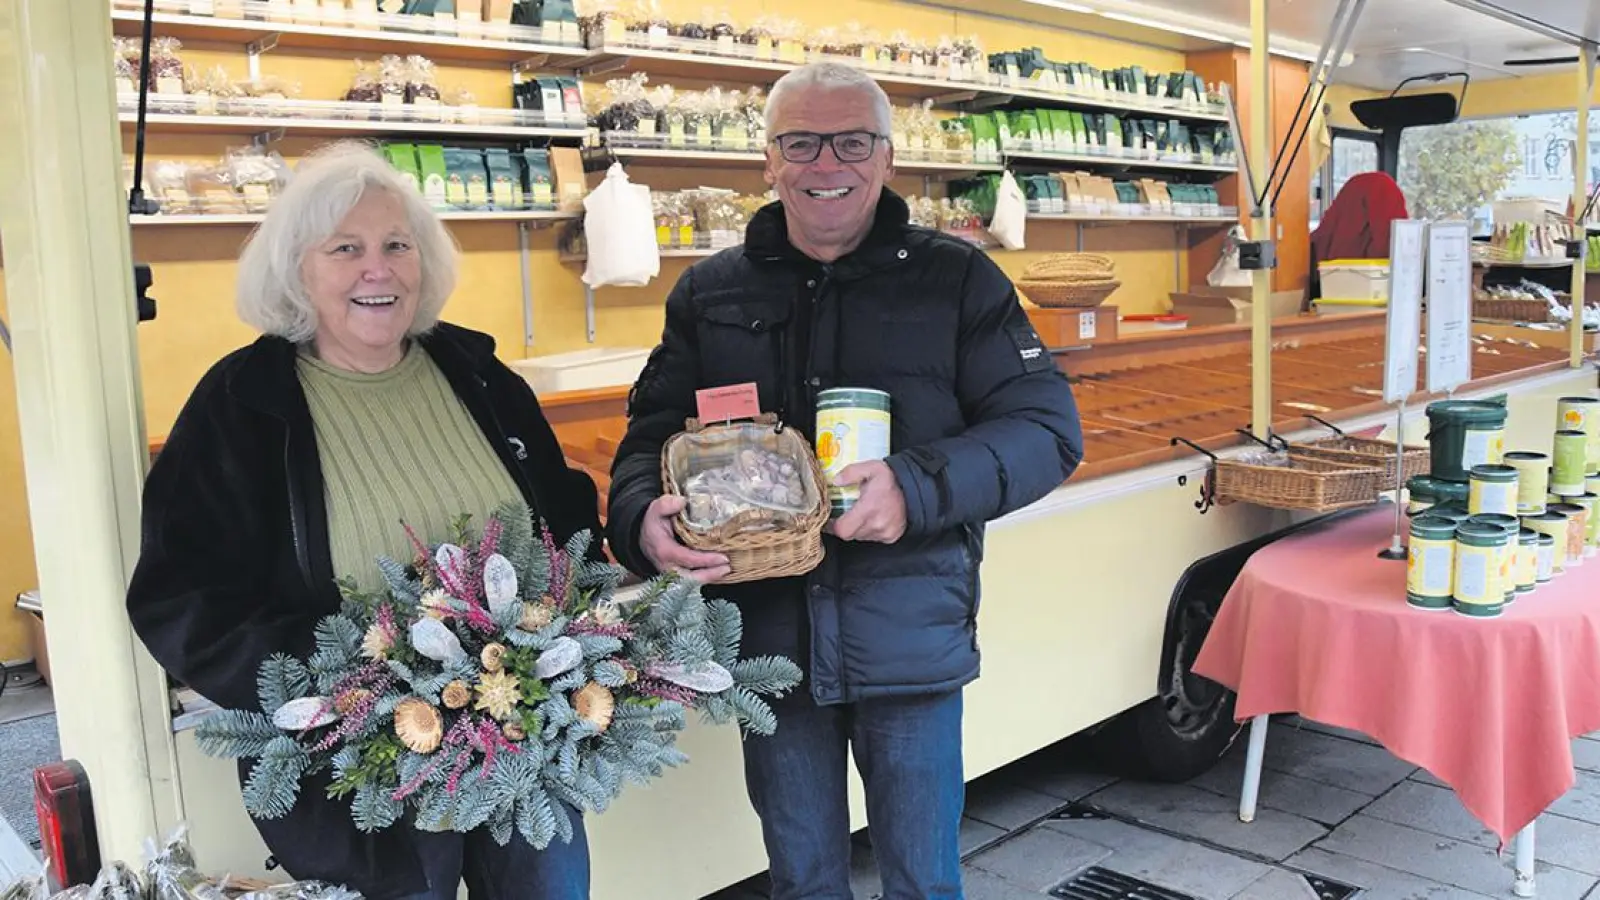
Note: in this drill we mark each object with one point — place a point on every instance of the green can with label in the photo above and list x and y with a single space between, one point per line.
1553 524
1493 489
1533 480
1476 592
1582 414
1431 563
1506 571
1547 558
1571 459
852 426
1527 560
1463 434
1426 493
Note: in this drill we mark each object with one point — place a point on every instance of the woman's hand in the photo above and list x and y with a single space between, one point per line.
661 546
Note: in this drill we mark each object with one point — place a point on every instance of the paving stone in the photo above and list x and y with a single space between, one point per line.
1170 862
1209 817
1313 800
976 884
1448 861
1351 765
1278 884
1423 776
1586 754
1378 882
1048 774
1569 843
1005 803
1040 858
975 834
1582 801
1329 730
1436 810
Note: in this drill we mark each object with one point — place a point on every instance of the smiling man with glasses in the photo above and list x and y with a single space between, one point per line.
833 288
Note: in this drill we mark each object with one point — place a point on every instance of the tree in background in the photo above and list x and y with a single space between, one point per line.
1448 171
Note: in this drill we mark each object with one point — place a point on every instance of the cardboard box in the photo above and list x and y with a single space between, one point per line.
1063 328
1230 306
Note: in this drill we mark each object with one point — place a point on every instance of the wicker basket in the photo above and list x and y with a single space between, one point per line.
1068 294
1295 481
1415 459
793 548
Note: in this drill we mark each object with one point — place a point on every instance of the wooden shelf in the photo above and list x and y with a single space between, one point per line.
1046 157
500 43
184 123
1086 218
535 216
600 157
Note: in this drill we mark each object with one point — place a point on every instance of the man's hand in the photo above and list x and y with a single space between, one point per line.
661 546
880 512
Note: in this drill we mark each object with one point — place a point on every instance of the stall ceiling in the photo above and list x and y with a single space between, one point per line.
1394 40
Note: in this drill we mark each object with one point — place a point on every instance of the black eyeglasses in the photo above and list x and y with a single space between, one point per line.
848 146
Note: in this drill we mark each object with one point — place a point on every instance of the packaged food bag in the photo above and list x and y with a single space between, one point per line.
619 225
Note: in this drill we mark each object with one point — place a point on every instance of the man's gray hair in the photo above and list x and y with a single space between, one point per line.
326 186
832 76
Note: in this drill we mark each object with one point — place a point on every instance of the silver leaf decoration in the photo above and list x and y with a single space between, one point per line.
559 658
450 558
708 678
500 584
307 712
436 641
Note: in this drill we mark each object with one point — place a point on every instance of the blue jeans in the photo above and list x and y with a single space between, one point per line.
513 872
908 751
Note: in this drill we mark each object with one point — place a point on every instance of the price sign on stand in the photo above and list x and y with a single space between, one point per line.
1449 306
1407 239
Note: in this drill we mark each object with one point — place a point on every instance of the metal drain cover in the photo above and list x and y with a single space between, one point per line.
1096 883
1327 889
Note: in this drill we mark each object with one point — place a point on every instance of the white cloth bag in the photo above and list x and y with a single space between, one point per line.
1226 273
1010 221
619 225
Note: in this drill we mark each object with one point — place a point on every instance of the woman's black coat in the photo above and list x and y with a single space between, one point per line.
234 563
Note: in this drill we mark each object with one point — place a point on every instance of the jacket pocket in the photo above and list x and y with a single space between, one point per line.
738 343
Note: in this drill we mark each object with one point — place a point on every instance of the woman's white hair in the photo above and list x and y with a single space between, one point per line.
831 76
326 186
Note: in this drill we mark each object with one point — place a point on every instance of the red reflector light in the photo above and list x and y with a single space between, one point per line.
65 811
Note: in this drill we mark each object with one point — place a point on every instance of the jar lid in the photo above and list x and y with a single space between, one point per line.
1494 472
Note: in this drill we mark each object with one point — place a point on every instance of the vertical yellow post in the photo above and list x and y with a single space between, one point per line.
1580 195
69 283
1261 160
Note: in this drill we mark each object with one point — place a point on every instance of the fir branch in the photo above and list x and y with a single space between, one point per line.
535 820
726 627
373 809
501 825
610 673
596 645
753 712
766 675
281 678
236 733
563 823
571 681
402 586
274 783
689 648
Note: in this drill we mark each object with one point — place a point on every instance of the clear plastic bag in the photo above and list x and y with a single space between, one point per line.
28 887
742 477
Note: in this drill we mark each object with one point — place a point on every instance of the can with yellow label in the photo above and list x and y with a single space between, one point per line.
1430 564
852 427
1553 524
1571 460
1493 489
1533 479
1527 560
1577 529
1476 592
1547 558
1589 503
1505 570
1582 414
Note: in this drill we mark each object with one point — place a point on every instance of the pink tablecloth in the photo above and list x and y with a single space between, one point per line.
1317 624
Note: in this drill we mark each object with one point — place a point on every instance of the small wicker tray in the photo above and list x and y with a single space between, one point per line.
794 549
1415 459
1068 294
1295 481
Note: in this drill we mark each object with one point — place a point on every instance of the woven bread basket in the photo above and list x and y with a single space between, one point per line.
1067 280
759 544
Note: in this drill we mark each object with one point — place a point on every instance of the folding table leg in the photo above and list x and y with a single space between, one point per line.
1523 885
1252 768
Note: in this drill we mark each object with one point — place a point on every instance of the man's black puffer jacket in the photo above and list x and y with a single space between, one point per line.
983 424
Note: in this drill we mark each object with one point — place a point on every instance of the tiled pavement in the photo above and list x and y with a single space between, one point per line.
1335 811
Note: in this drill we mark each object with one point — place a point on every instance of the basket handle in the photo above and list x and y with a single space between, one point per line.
1271 443
1328 425
1178 440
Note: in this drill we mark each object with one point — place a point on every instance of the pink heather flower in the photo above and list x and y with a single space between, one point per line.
664 690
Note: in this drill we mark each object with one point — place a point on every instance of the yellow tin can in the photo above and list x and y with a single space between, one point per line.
1582 414
1533 480
1547 558
1505 567
1430 563
1477 592
1553 524
1493 489
852 427
1591 505
1571 461
1527 560
1577 530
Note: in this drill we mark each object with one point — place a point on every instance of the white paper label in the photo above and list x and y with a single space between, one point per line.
1405 309
1086 326
1449 306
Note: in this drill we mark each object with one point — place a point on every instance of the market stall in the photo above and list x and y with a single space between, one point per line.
1132 162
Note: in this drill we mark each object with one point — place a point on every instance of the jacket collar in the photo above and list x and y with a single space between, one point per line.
887 243
266 379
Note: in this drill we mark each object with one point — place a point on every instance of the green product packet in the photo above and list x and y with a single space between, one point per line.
434 174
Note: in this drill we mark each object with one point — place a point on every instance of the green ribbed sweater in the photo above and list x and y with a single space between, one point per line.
397 447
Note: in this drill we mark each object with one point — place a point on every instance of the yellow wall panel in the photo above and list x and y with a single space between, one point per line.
16 562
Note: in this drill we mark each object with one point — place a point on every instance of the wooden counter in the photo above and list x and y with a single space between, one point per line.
1137 392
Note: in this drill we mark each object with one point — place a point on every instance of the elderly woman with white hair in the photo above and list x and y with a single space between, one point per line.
295 460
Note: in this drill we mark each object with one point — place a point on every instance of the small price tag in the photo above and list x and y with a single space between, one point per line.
1086 326
722 404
